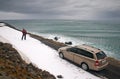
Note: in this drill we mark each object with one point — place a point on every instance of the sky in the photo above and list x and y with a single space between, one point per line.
60 9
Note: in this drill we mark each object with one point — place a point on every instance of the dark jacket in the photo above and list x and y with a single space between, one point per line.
24 32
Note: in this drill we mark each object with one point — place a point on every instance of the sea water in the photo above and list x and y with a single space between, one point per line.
101 34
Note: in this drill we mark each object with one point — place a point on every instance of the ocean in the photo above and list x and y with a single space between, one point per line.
101 34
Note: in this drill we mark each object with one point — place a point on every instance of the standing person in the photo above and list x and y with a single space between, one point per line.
24 32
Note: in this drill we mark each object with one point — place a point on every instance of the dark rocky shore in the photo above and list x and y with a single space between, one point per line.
111 72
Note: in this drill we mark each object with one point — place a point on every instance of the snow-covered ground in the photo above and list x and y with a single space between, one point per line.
42 56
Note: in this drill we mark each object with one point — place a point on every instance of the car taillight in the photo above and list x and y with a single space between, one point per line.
97 63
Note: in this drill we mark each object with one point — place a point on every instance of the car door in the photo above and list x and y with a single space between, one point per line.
70 53
78 58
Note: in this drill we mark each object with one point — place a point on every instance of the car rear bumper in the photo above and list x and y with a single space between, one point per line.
98 68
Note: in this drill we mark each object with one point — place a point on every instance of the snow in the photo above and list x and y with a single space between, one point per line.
42 56
2 24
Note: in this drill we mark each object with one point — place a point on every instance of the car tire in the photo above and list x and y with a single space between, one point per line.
61 55
84 66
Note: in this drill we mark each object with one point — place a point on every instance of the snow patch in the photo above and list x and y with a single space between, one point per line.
2 24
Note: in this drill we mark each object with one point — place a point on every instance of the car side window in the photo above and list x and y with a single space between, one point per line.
73 49
86 53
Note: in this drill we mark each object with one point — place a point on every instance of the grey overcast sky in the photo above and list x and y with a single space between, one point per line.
60 9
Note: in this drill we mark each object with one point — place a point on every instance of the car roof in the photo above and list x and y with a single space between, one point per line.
88 48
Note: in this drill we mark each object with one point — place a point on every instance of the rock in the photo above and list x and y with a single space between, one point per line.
59 76
1 44
1 73
56 38
29 78
7 45
4 77
68 43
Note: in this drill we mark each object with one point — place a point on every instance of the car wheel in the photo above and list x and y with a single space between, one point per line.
61 55
84 66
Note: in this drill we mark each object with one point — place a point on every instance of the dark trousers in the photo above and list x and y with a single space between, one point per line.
23 37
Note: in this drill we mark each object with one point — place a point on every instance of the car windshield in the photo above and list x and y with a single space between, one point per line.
100 55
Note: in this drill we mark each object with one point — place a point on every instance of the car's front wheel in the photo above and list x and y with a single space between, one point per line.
61 55
84 66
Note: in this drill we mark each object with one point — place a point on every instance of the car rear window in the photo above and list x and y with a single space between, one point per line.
100 55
